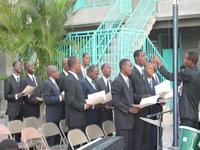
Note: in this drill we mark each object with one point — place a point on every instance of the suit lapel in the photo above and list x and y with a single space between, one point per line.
90 85
138 73
124 83
54 86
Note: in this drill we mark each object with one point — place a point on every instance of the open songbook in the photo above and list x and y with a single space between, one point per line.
99 98
28 89
163 92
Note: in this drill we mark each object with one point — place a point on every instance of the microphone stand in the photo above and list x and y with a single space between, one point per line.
159 115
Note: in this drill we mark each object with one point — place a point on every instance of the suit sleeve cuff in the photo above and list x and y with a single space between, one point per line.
60 98
16 97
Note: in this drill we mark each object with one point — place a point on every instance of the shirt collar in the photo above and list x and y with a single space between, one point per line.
124 77
31 75
139 68
74 74
65 72
105 79
15 76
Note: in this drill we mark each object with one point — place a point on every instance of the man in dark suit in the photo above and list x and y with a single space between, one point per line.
141 128
89 87
31 103
152 81
85 63
64 74
104 83
53 100
123 101
189 100
74 97
13 94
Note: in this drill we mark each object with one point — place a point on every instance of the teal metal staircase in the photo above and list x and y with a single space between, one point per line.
97 41
119 35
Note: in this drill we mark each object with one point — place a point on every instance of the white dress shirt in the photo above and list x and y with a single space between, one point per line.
33 77
17 78
65 73
83 71
107 80
139 68
54 82
126 79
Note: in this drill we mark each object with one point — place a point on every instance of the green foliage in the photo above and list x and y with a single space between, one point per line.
33 30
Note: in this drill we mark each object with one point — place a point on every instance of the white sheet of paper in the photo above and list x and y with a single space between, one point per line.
149 100
163 87
96 98
28 89
108 97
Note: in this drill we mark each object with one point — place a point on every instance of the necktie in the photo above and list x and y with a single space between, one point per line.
33 78
108 88
143 74
151 84
93 84
18 80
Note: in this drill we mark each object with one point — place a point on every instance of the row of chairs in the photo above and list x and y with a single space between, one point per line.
92 132
75 137
32 137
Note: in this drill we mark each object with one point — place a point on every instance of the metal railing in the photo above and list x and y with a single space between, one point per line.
80 4
117 50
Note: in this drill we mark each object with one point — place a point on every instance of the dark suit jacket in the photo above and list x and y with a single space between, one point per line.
151 91
92 115
139 85
31 104
74 102
101 85
13 106
122 98
189 100
54 107
106 114
61 81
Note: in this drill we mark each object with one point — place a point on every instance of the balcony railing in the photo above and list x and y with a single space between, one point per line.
79 4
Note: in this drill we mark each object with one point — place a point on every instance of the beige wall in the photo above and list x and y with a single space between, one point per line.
187 8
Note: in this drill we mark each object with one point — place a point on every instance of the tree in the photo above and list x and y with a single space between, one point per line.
33 29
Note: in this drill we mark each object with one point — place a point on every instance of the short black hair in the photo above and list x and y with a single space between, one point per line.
71 61
85 54
123 62
91 68
103 65
193 56
137 53
15 62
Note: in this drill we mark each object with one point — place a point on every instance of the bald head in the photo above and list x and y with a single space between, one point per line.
65 64
52 72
